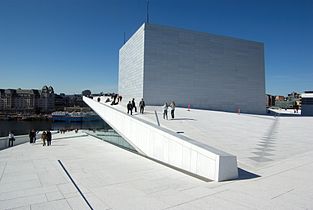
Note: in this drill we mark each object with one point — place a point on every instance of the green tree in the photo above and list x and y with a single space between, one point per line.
86 93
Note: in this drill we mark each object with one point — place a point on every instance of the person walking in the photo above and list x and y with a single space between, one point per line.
32 136
130 108
11 139
114 99
44 138
49 137
142 106
134 104
172 105
35 135
165 107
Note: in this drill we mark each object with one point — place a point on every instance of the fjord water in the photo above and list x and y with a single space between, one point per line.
23 127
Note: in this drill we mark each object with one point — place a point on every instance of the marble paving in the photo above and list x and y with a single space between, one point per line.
274 157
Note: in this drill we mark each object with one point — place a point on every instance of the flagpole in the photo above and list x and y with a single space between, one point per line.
147 11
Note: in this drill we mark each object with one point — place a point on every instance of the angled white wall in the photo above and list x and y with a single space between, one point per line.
168 147
131 62
204 70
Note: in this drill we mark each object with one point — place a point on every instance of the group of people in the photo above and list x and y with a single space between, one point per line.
165 107
132 105
115 99
46 137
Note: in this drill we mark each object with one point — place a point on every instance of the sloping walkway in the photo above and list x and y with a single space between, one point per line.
112 178
243 135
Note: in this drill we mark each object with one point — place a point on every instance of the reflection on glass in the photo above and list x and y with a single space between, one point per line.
113 137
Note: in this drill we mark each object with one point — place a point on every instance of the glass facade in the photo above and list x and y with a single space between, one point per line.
112 137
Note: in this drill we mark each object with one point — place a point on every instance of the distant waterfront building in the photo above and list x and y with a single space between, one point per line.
207 71
307 103
46 100
59 102
27 100
280 98
291 101
75 100
270 100
293 96
62 101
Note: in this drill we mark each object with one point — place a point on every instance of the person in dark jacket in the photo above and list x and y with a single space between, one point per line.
130 108
114 99
49 138
172 105
142 106
134 104
32 136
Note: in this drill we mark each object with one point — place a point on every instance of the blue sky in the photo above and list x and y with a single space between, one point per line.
73 44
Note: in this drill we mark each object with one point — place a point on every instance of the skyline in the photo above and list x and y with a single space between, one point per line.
73 45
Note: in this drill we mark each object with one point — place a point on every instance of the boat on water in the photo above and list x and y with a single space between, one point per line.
74 116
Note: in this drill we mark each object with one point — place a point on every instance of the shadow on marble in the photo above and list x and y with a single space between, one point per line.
243 174
183 119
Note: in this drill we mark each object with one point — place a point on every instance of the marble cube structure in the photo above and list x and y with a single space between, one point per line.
163 64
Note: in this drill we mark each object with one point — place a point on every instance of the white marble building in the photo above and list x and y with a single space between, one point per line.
207 71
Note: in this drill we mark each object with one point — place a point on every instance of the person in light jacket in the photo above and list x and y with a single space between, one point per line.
44 138
11 139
